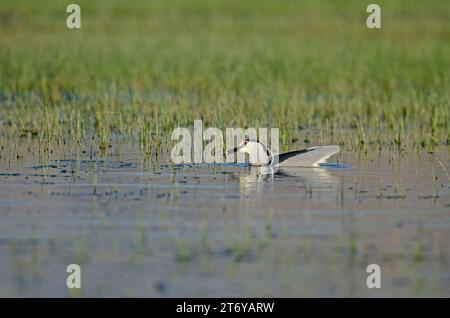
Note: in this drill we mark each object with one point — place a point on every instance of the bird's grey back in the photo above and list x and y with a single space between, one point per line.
309 157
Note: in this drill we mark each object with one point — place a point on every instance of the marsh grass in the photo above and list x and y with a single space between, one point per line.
136 71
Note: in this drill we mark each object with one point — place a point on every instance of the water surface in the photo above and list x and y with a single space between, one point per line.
140 229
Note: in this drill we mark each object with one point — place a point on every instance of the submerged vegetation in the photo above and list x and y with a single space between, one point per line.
134 71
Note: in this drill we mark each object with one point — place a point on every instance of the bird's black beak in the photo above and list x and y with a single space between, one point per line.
235 149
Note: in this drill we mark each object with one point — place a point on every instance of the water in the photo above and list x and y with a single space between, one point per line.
139 229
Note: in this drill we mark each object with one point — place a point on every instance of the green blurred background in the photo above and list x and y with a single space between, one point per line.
155 65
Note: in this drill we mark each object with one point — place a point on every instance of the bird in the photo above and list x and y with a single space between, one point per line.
260 155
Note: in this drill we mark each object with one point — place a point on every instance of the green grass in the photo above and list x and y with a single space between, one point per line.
138 69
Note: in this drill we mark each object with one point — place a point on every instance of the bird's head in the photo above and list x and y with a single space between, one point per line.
245 146
259 154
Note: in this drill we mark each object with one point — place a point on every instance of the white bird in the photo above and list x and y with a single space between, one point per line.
260 155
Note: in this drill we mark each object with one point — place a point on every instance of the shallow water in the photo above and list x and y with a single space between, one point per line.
225 230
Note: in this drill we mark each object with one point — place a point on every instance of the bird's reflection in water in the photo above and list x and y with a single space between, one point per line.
258 179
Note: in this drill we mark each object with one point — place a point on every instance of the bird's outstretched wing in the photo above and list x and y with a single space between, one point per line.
310 157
